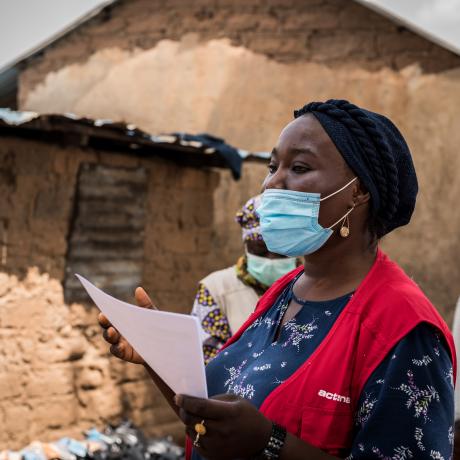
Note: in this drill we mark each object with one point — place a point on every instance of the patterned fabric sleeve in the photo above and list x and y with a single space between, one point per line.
214 323
406 409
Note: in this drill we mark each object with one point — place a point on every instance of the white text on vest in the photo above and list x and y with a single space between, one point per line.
334 396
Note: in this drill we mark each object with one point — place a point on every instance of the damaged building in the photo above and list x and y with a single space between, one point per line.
121 207
233 69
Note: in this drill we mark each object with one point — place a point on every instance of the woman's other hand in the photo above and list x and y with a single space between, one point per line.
234 427
119 345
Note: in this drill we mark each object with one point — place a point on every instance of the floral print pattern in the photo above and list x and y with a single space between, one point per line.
298 332
406 409
411 391
418 398
418 436
399 453
365 410
267 353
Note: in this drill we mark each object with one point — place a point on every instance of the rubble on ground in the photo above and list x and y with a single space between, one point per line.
123 442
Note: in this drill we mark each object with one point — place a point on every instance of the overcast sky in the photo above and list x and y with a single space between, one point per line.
438 17
26 23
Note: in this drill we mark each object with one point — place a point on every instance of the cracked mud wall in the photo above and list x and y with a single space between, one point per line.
56 376
234 69
329 32
237 69
247 98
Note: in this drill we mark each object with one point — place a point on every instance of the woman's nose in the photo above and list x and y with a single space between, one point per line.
277 180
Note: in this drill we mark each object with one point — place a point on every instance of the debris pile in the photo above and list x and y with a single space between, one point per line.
123 442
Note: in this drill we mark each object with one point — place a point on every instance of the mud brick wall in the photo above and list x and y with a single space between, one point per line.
331 32
237 70
288 52
56 377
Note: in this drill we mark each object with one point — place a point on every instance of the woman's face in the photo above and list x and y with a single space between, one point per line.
306 160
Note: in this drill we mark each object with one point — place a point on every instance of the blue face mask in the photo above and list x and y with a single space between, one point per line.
267 271
289 221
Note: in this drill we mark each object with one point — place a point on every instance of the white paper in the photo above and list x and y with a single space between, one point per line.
170 343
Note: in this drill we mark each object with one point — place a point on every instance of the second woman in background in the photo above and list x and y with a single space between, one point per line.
225 298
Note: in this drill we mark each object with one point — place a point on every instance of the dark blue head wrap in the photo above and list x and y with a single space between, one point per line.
377 153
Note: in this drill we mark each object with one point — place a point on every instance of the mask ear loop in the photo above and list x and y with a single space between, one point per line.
344 230
339 190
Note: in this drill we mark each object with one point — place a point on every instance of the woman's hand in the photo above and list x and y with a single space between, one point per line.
119 345
234 427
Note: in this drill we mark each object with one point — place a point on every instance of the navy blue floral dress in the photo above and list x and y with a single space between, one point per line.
406 409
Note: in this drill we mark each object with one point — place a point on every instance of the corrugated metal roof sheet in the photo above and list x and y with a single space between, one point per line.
69 129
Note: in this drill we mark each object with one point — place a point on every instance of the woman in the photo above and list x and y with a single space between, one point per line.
345 356
225 298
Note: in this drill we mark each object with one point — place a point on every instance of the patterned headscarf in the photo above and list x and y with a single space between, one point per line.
249 220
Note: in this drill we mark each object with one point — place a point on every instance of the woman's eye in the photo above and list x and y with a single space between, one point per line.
300 169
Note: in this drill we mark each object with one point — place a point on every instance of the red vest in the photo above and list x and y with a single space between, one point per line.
318 402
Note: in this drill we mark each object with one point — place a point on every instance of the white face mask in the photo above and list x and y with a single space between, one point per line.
267 271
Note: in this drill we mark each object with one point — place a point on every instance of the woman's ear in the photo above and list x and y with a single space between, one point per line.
360 194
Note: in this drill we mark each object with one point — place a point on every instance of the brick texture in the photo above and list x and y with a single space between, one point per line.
188 221
334 32
56 376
